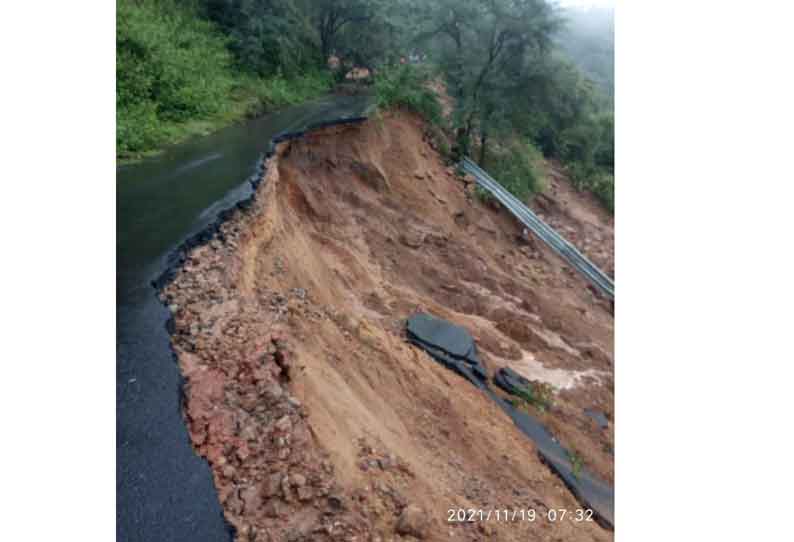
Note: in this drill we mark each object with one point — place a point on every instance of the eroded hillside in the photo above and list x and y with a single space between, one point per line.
319 421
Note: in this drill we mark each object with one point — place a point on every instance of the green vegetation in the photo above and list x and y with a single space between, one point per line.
537 394
515 164
577 463
516 89
405 85
176 76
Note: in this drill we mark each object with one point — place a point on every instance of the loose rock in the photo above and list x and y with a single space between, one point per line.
413 521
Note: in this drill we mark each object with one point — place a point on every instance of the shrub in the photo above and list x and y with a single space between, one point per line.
406 85
175 77
171 66
513 166
588 176
537 394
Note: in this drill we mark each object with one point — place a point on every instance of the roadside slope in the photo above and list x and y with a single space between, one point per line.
318 420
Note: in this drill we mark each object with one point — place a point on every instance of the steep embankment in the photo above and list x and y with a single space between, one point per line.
318 420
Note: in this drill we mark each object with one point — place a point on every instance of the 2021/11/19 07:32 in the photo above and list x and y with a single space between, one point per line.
553 515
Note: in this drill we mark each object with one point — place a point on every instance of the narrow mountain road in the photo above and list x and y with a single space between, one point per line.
164 490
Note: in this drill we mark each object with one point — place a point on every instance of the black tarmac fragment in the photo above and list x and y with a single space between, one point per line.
453 347
449 344
510 381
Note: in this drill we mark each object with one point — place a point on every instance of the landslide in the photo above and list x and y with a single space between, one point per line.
318 420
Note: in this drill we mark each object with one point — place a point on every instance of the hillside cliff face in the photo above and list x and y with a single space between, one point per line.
319 421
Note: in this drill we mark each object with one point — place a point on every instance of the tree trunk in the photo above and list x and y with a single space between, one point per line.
483 144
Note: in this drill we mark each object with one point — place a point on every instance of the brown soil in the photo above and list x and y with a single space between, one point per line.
319 421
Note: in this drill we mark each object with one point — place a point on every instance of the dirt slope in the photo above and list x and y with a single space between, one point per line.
319 421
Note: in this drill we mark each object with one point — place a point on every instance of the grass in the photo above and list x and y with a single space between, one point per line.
140 136
538 395
577 463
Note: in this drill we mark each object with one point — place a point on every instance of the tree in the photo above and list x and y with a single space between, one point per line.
267 36
332 16
487 43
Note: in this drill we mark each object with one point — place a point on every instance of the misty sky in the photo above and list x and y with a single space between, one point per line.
587 3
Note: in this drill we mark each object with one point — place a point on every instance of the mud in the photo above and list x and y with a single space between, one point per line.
317 418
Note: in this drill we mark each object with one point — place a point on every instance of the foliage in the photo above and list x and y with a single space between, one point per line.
577 463
176 76
483 195
589 151
267 37
513 165
537 394
406 85
168 56
592 178
480 47
266 94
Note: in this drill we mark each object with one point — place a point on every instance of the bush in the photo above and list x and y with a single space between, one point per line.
589 176
604 189
176 77
588 149
513 165
537 394
406 85
171 66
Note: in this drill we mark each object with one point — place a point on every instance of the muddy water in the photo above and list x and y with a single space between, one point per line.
163 490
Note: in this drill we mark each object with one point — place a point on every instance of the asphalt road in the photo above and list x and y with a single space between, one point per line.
164 491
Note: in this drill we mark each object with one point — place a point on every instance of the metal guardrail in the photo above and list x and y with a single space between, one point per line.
547 234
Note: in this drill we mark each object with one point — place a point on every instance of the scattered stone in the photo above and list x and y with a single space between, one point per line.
285 489
412 239
248 433
284 423
336 501
273 392
242 453
252 499
298 480
304 493
273 508
273 485
412 521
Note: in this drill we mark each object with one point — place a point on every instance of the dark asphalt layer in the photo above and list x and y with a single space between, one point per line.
164 491
453 347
